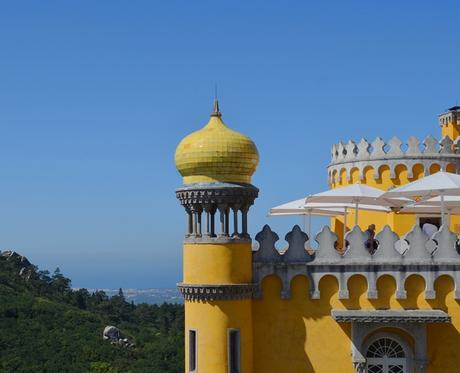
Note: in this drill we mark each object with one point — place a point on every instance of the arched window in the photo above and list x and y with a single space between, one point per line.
386 355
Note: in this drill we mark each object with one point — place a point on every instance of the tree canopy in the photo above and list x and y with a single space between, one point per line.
46 326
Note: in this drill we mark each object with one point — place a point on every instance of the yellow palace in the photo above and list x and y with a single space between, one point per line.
299 311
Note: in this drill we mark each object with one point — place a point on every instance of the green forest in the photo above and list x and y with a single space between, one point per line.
46 326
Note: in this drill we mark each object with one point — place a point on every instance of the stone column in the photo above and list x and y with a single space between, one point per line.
207 210
213 225
235 220
223 210
227 222
189 222
199 210
244 221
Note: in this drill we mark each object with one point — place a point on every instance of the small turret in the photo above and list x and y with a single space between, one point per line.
216 164
450 122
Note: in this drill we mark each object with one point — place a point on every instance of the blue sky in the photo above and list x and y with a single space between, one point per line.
95 96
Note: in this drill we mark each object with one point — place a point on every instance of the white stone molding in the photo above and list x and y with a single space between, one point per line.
417 240
378 147
456 145
340 151
355 240
267 251
395 147
445 242
431 145
391 316
386 250
296 250
351 150
327 241
446 146
363 150
413 146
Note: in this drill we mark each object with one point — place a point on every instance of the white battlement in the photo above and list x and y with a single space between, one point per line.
400 257
395 152
395 148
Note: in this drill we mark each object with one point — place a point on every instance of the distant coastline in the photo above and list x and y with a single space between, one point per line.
150 296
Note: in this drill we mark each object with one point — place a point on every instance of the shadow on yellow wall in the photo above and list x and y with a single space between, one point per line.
299 335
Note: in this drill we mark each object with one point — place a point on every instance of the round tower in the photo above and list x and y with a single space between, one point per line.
216 164
393 163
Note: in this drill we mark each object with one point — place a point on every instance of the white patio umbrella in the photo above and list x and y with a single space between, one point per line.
356 194
414 208
429 210
301 207
440 184
449 201
432 206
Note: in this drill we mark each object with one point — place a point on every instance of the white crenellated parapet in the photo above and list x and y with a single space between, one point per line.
349 156
399 257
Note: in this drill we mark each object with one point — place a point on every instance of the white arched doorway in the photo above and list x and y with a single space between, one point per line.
387 353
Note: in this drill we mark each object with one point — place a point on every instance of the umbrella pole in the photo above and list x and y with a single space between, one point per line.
309 225
442 209
344 226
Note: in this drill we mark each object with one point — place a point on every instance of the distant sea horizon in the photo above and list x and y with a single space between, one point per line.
144 295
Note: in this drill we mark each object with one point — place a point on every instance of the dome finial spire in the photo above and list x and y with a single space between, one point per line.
216 111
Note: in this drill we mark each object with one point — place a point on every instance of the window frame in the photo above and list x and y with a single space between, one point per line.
195 350
409 354
230 356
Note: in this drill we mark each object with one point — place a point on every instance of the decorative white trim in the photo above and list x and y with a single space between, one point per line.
391 316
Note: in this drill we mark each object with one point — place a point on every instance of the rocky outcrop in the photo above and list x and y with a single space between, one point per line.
115 337
25 268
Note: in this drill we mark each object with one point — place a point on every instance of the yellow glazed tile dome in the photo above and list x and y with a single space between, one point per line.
216 153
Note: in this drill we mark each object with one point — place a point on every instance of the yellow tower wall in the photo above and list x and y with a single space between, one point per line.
450 130
299 335
218 264
212 321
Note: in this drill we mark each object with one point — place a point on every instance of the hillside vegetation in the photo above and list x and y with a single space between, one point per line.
45 326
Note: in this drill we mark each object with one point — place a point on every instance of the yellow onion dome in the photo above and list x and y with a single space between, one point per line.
216 153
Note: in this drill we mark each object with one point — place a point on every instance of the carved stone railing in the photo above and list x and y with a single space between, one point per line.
392 153
399 257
